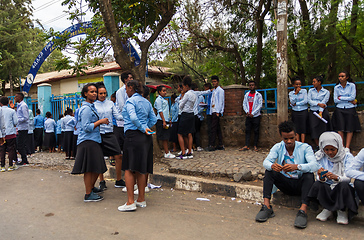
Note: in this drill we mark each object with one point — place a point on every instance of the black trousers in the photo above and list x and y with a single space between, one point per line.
288 186
10 147
359 189
38 137
208 121
215 130
22 142
252 124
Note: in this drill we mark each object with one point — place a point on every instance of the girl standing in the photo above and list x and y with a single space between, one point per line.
345 119
298 101
138 117
68 133
318 98
90 159
49 137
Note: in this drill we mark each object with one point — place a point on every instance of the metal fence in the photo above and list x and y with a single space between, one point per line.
31 102
59 104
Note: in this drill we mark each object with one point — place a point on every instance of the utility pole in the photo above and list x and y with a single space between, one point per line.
282 66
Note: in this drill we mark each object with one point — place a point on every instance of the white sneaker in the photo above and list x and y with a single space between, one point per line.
169 155
141 204
127 208
342 217
136 192
3 169
347 150
125 190
324 215
199 149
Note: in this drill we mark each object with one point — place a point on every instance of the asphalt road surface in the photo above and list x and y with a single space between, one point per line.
48 204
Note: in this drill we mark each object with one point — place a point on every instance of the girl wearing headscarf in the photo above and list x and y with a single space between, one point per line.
333 190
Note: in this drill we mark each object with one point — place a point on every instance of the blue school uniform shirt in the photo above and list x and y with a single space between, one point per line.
121 98
200 108
58 127
174 112
39 121
23 116
302 154
87 117
325 163
199 98
67 128
346 94
299 99
138 114
217 101
31 122
208 102
357 163
107 109
49 125
10 120
161 105
2 124
315 97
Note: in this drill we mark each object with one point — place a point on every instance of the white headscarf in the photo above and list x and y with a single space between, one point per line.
335 140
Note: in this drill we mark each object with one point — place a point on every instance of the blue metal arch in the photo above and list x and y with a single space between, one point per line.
74 30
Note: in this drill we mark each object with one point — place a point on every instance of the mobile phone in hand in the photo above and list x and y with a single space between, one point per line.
323 173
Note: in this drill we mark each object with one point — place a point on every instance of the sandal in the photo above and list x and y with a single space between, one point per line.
256 149
112 162
245 148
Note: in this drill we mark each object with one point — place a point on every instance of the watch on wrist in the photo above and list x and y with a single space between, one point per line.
299 167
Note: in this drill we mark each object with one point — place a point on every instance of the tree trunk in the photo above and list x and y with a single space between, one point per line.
11 84
332 48
353 27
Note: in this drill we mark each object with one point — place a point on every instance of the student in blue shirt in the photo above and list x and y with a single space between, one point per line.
107 109
59 133
355 171
299 103
49 136
345 118
38 131
30 143
90 159
333 190
68 133
289 166
10 120
174 119
139 117
208 86
318 98
163 120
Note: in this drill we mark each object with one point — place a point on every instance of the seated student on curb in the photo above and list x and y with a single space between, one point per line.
163 120
289 166
333 190
353 171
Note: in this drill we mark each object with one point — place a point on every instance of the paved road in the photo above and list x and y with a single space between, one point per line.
48 204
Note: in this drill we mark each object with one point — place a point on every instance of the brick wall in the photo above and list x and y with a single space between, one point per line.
234 95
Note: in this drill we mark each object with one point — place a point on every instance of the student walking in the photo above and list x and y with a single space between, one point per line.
90 159
345 118
298 101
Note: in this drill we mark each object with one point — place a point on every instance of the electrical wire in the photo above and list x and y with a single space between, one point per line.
48 4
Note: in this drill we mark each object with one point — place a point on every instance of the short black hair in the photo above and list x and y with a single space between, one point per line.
286 126
68 111
214 77
146 91
85 89
208 85
37 111
113 95
187 81
60 116
135 84
48 114
180 85
174 96
320 78
160 87
194 86
252 81
124 76
20 94
4 100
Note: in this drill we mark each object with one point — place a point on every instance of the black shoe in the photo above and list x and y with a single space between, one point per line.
120 183
210 149
301 219
220 147
264 214
97 190
102 185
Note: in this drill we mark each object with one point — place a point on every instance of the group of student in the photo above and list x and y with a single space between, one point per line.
181 123
290 167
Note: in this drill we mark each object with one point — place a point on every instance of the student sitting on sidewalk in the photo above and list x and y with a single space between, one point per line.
289 166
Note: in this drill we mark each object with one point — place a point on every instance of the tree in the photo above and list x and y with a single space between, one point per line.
118 22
